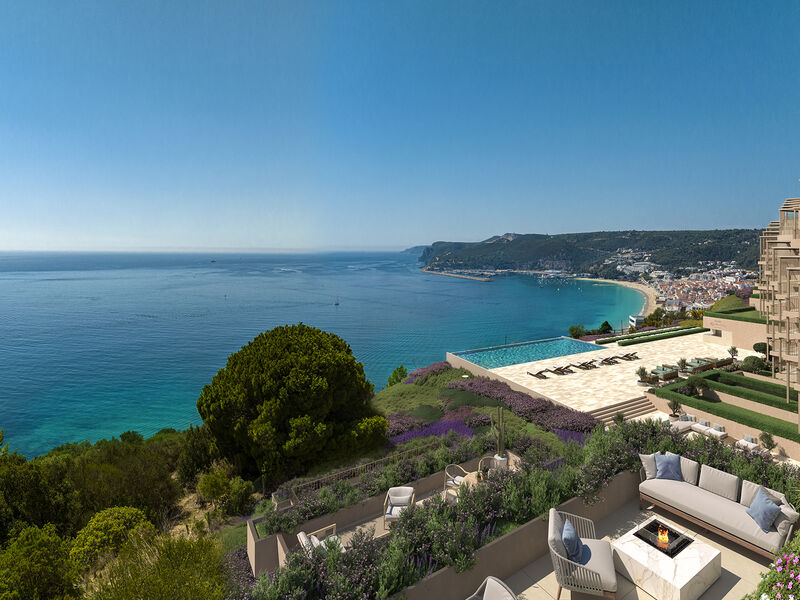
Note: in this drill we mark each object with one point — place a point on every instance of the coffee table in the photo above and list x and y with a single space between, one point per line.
684 577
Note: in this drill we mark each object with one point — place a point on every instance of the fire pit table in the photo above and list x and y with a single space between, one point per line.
666 562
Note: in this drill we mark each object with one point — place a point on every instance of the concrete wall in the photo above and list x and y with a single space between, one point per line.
510 553
734 333
268 553
736 430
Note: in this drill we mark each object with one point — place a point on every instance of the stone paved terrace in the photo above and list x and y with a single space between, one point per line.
741 568
610 384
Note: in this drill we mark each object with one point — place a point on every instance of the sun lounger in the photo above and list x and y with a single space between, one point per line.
562 371
632 356
609 360
540 374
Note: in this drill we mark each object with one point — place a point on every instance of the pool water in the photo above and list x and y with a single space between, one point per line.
514 354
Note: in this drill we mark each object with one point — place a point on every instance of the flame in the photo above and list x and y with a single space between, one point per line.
663 536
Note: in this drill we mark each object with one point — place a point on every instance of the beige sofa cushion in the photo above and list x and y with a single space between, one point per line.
720 483
649 465
785 519
602 561
713 509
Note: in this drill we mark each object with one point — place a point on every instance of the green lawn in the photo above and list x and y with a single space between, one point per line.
424 401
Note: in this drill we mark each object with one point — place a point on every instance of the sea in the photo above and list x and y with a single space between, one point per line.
95 344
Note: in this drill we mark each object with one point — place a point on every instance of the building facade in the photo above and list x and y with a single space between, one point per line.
779 290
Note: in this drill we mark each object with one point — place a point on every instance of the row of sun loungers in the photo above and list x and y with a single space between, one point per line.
585 366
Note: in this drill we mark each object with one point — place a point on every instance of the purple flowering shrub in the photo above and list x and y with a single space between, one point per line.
476 420
440 428
567 436
240 577
782 581
539 411
418 374
400 422
462 413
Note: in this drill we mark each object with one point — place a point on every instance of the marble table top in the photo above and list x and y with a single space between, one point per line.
685 576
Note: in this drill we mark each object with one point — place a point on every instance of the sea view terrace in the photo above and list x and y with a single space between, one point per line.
594 389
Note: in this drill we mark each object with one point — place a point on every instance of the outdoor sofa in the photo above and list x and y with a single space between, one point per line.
718 502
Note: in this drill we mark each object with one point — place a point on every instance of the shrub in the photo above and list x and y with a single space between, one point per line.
291 395
105 534
36 564
663 336
539 411
760 347
753 364
577 331
164 568
418 376
674 405
196 455
782 577
767 441
240 497
439 429
400 423
397 376
213 487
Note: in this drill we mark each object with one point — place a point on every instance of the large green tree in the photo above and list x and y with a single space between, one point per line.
293 396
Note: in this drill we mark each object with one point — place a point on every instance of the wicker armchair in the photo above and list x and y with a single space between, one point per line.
597 577
397 500
493 589
488 464
453 477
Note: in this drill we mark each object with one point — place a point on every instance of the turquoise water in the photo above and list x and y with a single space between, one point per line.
512 354
97 344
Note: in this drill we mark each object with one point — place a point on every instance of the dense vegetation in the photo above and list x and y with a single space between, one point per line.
292 395
438 534
585 252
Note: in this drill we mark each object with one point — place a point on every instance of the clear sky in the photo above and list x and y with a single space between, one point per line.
332 125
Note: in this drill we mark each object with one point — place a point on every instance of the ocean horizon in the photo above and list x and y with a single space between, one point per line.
100 343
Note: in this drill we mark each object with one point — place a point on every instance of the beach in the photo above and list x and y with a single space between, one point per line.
650 295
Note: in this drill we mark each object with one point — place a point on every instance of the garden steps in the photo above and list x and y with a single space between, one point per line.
635 407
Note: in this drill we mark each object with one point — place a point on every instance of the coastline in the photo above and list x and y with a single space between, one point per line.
472 277
649 293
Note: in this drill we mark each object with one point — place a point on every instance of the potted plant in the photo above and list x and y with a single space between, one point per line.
682 365
675 406
499 432
642 373
767 441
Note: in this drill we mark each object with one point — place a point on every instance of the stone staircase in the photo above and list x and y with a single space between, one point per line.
635 407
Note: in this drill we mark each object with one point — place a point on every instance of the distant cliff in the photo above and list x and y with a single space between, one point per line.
586 252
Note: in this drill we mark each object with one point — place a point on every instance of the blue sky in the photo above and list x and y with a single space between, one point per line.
333 125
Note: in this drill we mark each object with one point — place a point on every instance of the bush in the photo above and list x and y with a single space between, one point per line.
196 455
577 331
105 534
36 564
397 376
240 497
760 347
291 395
165 568
213 487
663 336
753 364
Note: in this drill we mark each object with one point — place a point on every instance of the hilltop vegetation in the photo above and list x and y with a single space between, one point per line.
585 252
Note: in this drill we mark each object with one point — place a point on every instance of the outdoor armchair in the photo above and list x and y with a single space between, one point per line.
453 477
493 589
597 577
397 500
488 464
316 539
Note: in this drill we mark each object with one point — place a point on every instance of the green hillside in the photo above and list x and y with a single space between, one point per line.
585 252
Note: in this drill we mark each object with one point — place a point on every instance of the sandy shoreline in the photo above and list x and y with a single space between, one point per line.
459 275
649 293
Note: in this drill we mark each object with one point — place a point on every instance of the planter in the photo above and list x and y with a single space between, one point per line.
501 462
674 417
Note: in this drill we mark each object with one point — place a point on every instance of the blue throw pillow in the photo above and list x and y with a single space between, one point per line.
763 510
668 467
572 542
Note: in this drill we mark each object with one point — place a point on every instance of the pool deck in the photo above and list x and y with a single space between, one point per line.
588 390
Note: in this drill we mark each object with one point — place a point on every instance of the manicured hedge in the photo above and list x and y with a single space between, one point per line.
752 395
663 336
748 315
776 389
755 295
640 334
784 429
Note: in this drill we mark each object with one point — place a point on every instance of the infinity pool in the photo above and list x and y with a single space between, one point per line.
514 354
